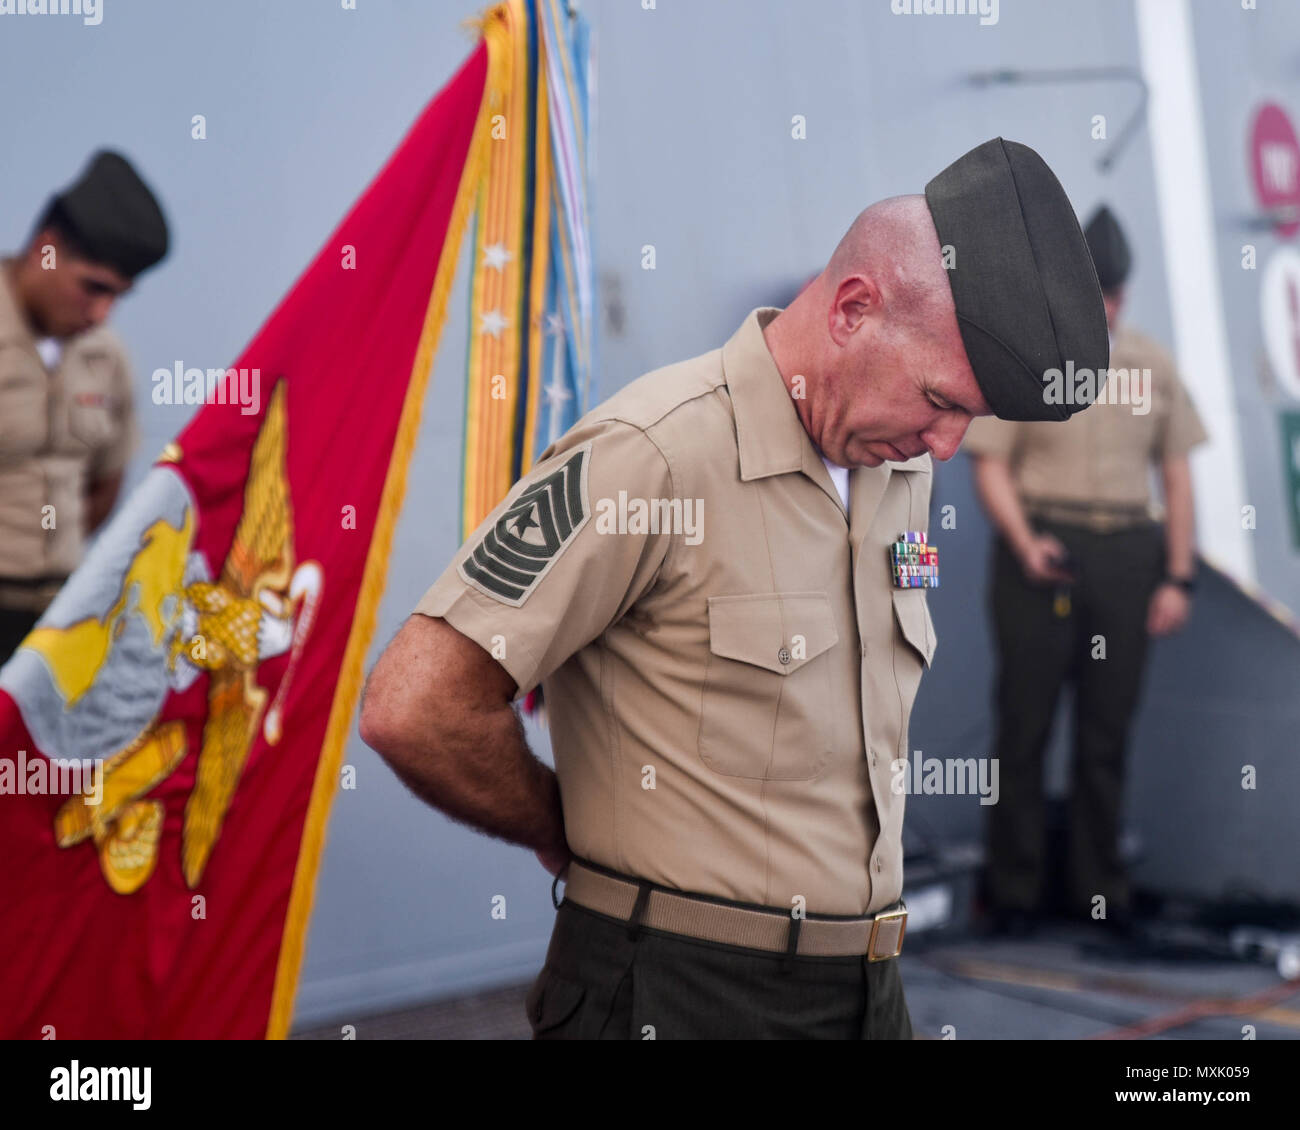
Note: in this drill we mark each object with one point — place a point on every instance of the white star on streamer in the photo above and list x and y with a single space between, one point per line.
496 255
493 322
557 394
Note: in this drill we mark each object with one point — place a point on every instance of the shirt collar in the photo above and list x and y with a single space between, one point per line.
769 433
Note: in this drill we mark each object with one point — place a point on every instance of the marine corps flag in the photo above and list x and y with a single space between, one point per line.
171 731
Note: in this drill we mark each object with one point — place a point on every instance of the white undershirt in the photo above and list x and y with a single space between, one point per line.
840 477
50 349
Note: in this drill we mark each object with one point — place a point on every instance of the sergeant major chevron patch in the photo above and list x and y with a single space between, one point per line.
529 536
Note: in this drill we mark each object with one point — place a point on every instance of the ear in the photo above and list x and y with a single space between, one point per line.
857 299
43 237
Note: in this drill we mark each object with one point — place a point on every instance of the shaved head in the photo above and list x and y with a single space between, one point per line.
895 242
875 339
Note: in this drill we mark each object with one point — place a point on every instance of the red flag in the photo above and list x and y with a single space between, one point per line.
209 649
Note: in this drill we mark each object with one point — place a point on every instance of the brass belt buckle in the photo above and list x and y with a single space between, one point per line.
886 916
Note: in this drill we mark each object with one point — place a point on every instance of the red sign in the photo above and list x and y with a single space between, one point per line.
1275 165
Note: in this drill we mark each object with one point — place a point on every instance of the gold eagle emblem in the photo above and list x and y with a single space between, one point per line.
260 606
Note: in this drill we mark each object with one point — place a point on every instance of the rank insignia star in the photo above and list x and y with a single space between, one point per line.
914 564
526 521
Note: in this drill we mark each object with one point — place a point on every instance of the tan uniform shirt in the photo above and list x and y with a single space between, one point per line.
726 690
60 431
1103 454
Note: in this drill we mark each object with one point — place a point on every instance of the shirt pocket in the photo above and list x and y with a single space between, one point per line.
24 405
913 654
769 705
90 404
913 616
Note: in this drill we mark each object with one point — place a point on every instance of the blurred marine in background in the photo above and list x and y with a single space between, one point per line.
67 422
1081 577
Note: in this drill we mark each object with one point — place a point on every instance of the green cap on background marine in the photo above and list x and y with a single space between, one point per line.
1110 251
111 215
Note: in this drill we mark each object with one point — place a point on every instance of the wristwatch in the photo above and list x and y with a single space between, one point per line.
1187 584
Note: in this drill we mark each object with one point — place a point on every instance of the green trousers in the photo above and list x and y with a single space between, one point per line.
602 981
14 626
1100 644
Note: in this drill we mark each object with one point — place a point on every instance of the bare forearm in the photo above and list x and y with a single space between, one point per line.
997 492
439 710
487 777
1180 520
100 498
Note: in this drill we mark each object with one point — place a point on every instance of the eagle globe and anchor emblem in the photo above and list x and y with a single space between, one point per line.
143 617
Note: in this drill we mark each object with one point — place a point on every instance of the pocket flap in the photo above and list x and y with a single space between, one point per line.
552 1000
913 616
779 632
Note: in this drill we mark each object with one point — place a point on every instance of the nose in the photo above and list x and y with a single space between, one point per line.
99 309
945 437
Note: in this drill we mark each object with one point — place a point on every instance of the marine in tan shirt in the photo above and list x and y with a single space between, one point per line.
704 619
728 664
65 432
1098 464
67 419
1082 576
